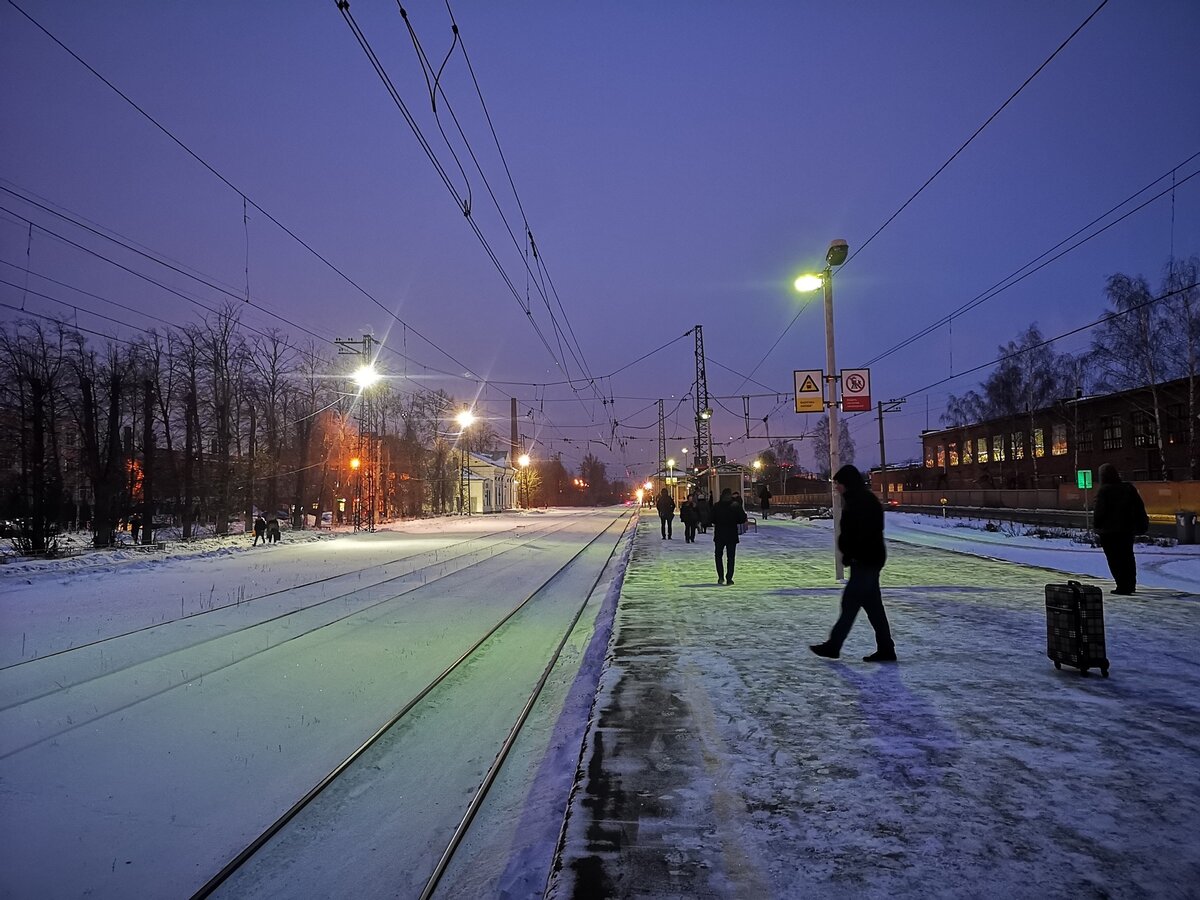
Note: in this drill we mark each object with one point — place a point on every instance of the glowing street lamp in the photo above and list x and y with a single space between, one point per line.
365 376
523 461
834 256
671 468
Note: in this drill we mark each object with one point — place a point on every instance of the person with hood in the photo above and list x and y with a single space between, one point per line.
863 550
690 517
726 517
1120 514
666 512
260 530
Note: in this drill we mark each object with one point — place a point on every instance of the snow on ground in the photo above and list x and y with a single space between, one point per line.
743 765
725 760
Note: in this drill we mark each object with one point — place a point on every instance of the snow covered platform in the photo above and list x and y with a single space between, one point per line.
724 759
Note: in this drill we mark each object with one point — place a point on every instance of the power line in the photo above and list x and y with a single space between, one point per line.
978 130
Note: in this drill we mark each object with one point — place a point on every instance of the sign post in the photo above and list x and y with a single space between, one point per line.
810 390
1083 481
856 390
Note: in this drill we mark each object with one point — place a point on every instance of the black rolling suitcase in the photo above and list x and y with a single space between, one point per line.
1075 626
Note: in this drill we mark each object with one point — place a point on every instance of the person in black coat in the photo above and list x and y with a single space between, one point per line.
764 500
1120 514
260 530
861 544
690 517
666 512
704 509
726 517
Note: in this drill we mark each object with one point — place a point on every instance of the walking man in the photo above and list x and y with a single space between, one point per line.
864 551
726 518
764 500
1120 514
260 530
666 512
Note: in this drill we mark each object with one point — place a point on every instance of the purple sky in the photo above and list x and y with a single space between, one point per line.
678 164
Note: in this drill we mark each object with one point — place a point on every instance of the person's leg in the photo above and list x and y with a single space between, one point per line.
662 524
718 550
1125 571
851 603
670 519
1113 556
872 604
731 549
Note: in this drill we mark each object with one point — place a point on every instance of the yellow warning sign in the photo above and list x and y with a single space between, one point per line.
810 390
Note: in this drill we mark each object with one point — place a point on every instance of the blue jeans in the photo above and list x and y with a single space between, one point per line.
862 592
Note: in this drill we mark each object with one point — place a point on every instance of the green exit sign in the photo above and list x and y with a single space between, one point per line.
1083 479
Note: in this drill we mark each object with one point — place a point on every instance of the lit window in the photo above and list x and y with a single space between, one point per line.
1039 443
1143 429
968 452
929 456
981 451
998 448
1058 441
1110 433
941 456
954 454
1018 445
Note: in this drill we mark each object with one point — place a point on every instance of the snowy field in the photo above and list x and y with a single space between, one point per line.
725 760
212 684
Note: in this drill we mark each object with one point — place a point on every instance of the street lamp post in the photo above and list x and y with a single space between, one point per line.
671 470
523 485
834 256
464 419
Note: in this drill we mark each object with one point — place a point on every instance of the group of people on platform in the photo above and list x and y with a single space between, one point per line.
1120 515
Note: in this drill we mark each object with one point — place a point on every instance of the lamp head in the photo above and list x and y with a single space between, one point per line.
465 418
523 460
837 252
365 376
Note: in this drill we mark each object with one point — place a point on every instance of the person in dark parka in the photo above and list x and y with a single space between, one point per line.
764 500
704 508
666 512
1120 514
260 530
863 549
690 517
726 517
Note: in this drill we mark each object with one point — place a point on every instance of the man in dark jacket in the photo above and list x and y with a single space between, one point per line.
666 512
764 500
862 547
1120 514
690 517
726 517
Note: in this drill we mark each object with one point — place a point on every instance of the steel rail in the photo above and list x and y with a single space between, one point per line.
279 824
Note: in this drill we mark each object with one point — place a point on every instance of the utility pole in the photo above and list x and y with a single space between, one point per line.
703 444
892 406
662 439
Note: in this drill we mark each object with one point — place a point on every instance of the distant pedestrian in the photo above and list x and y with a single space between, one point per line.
704 509
764 500
666 512
1120 514
135 526
689 515
863 549
273 530
726 517
260 530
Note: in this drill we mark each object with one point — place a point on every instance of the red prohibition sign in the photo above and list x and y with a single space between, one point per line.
856 383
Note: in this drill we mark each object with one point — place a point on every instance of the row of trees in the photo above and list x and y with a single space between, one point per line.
207 422
1145 339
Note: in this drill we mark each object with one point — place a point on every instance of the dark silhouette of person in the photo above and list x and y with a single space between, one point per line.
666 512
726 517
764 500
1120 514
135 526
273 530
689 515
260 530
704 509
863 549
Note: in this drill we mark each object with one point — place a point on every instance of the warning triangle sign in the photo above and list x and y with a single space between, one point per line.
809 386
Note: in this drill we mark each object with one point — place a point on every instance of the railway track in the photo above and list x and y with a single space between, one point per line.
31 680
347 800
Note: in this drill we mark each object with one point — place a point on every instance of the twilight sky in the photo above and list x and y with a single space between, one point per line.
677 163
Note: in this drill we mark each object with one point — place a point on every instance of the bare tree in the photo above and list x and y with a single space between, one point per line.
1182 301
820 445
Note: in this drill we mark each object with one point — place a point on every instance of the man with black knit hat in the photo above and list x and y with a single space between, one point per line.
860 542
